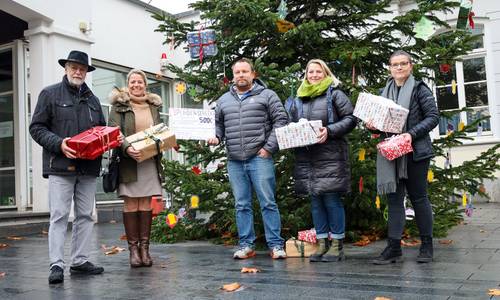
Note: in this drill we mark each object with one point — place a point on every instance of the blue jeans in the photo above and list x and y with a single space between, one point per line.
328 215
256 172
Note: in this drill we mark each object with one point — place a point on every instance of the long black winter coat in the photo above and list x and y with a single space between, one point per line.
324 168
64 111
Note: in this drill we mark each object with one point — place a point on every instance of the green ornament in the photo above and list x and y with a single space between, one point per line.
424 29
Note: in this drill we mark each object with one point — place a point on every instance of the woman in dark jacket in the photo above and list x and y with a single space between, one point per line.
408 174
322 170
134 110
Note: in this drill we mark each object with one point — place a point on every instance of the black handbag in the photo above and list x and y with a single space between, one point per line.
111 176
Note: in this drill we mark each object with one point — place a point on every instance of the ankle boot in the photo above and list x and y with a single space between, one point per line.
391 254
335 253
145 219
426 250
131 223
322 248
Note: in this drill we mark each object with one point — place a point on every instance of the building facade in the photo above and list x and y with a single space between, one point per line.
117 34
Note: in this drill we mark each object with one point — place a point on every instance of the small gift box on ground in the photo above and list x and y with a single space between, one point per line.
307 235
394 147
146 141
296 248
92 143
385 114
300 134
202 43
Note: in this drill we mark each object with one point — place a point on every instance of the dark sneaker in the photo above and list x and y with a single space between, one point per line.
56 275
86 269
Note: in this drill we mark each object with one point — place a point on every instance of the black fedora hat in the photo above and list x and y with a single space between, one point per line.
77 57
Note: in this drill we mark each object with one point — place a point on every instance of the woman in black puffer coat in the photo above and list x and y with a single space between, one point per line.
322 170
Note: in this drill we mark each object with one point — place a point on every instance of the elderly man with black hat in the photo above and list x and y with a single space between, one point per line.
64 110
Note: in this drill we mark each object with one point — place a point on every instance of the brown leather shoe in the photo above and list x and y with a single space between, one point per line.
145 219
131 223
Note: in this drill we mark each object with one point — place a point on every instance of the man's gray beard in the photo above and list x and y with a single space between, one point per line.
75 82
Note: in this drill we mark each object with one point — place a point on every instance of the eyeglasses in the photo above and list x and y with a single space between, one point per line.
401 64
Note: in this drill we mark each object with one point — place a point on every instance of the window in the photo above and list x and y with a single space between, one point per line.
471 91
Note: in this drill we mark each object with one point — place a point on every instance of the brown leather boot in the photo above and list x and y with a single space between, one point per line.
131 223
145 219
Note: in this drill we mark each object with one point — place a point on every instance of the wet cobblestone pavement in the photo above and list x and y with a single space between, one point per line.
464 269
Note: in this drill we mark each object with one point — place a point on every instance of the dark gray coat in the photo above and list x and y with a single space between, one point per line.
324 168
64 111
247 125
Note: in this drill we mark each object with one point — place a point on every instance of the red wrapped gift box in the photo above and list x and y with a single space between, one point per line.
394 147
92 143
307 235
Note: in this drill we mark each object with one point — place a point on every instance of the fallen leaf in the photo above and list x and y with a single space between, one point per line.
382 298
113 250
163 266
231 287
123 237
494 292
112 221
249 270
227 235
4 246
410 243
15 238
363 241
45 232
445 242
482 231
2 274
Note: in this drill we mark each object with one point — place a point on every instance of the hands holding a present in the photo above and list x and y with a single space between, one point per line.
322 135
66 150
407 137
121 138
135 154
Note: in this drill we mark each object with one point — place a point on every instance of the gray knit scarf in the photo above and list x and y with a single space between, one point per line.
390 172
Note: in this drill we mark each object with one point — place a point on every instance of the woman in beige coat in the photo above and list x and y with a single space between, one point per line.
134 109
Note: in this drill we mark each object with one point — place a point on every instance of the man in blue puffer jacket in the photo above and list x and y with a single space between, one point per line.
245 118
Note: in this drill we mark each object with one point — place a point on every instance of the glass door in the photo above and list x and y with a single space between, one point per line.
7 152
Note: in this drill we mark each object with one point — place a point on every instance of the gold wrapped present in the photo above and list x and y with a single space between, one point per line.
296 248
146 141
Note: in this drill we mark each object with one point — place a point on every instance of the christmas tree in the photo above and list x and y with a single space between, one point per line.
355 38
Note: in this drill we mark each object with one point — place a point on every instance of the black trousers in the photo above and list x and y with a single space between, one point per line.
416 187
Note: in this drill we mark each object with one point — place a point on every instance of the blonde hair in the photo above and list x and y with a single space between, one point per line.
325 69
138 72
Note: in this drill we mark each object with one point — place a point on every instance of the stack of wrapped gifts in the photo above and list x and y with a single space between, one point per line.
394 147
147 141
300 134
92 143
307 235
383 113
202 43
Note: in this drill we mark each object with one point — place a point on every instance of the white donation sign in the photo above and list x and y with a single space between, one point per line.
192 124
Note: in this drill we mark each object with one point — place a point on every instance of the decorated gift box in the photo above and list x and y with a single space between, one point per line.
296 248
307 235
146 141
302 133
394 147
202 43
92 143
385 114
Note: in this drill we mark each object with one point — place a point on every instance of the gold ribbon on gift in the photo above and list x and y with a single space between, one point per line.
150 135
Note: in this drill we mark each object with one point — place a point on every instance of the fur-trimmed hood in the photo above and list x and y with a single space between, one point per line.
122 96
